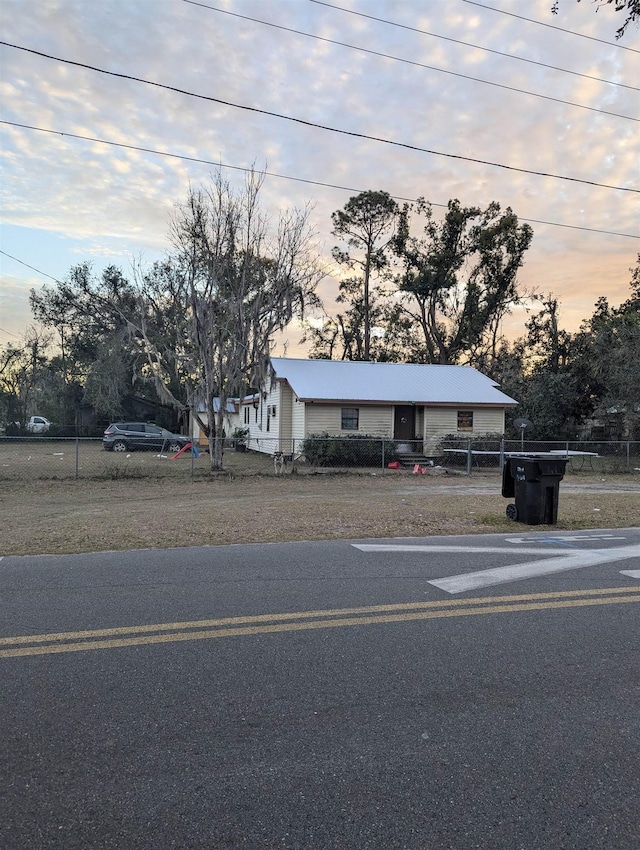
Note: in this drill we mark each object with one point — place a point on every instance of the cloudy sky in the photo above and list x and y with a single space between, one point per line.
502 82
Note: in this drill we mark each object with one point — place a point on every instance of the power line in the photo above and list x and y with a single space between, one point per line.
283 177
433 35
2 330
550 26
33 268
422 64
317 126
190 158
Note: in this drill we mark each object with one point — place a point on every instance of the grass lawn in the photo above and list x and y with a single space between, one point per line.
143 501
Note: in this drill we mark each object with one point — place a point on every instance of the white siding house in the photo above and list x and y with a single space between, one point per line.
231 420
406 402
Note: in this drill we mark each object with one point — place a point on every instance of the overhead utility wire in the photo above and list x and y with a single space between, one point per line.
435 35
351 133
288 177
33 268
3 330
326 269
419 64
550 26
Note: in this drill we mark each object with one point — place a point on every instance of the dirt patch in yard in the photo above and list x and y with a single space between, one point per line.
46 516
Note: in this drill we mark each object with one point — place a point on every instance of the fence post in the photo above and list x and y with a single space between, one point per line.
469 456
77 455
628 456
502 454
382 441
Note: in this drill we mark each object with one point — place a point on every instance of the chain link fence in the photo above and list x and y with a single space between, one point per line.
63 458
585 457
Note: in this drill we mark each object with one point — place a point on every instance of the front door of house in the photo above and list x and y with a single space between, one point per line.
404 422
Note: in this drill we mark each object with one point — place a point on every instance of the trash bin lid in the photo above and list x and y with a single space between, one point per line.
534 467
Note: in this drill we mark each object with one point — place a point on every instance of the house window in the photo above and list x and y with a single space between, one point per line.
246 416
350 418
465 420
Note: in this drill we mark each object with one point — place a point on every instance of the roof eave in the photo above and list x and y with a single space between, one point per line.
387 402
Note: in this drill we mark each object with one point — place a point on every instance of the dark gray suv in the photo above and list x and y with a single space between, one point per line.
127 436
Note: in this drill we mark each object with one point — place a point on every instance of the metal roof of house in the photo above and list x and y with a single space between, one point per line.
396 383
231 407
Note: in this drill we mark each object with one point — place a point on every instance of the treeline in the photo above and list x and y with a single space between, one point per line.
414 288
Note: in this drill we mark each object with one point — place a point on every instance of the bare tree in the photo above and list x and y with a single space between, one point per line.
243 283
23 373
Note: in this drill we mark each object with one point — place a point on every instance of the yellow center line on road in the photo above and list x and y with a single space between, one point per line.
158 633
300 615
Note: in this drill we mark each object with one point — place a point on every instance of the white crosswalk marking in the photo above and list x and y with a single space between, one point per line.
566 559
501 575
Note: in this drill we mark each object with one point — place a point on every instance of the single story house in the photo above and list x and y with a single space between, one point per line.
231 419
399 401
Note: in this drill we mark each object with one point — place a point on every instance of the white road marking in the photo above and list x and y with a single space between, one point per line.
567 538
632 573
517 572
404 547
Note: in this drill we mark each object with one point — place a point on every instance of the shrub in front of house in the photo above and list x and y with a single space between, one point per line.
352 450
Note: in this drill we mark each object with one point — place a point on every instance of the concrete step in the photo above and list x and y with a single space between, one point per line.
408 461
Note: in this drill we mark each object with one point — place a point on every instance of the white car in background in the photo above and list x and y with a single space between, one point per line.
38 425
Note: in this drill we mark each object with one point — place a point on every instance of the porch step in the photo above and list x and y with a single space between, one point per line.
408 461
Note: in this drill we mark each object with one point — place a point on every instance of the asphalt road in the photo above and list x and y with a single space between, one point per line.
471 692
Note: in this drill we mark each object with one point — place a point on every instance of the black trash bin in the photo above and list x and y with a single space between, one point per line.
534 480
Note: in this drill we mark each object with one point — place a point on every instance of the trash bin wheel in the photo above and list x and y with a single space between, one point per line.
512 512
